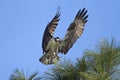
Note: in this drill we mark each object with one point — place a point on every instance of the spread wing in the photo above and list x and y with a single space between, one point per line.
74 31
49 31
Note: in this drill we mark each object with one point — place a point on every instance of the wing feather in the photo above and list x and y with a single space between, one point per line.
74 31
49 30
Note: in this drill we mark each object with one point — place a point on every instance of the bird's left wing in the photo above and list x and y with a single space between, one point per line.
74 31
50 28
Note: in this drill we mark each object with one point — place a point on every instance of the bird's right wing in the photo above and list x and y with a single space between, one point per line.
50 28
74 31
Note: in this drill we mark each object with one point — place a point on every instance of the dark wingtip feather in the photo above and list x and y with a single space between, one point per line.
82 12
85 21
58 12
78 13
85 18
56 17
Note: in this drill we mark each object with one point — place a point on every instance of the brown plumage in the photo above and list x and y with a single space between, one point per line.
49 31
74 30
52 46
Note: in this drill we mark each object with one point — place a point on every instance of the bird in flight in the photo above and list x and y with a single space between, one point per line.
53 45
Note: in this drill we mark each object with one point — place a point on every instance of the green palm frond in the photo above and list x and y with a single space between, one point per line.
105 59
61 71
33 76
19 75
99 64
103 63
67 70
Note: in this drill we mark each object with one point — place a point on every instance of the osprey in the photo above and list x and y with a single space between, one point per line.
52 46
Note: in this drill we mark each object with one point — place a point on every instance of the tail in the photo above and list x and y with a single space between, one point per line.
49 59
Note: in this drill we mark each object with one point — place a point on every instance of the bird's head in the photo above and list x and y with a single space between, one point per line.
57 39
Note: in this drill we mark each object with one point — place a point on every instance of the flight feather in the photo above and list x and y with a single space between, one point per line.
49 30
52 46
74 31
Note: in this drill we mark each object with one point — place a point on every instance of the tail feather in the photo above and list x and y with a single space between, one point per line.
52 59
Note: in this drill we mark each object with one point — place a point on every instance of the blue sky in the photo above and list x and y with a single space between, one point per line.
22 23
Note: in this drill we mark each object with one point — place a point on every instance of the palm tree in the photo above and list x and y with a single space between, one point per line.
67 70
104 61
19 75
100 64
